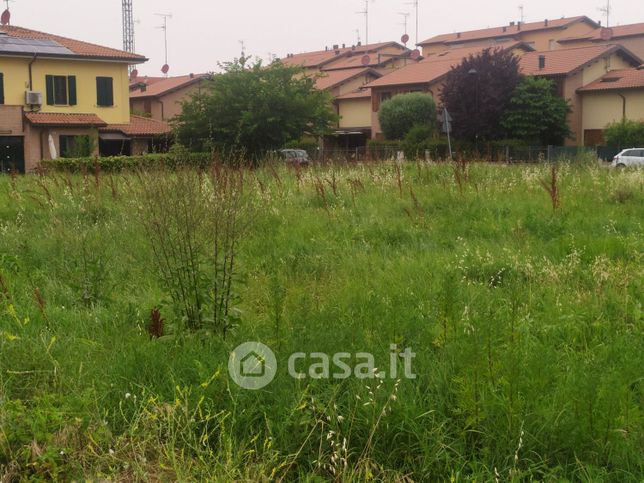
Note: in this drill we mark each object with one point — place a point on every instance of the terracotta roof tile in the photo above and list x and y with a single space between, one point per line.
160 87
321 57
353 59
507 31
565 61
432 68
79 48
617 79
617 33
140 126
60 119
357 94
330 79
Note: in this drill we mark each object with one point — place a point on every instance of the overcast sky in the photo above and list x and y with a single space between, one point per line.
204 32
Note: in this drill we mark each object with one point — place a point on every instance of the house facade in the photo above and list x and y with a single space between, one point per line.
55 90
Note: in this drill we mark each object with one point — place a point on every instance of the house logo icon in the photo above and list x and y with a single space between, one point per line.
252 365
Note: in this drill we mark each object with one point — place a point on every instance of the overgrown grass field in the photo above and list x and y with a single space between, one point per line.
518 287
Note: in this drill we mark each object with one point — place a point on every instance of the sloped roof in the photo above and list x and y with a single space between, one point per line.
163 86
617 79
353 59
139 126
362 93
566 61
77 47
321 57
507 31
332 78
435 66
64 120
631 30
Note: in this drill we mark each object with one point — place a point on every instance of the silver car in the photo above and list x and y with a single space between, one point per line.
629 157
297 156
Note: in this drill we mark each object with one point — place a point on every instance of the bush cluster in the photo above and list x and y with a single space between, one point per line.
127 163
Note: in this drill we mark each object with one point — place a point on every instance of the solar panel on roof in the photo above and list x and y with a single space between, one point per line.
32 46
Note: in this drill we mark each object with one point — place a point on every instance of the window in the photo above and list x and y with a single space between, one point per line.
61 90
104 91
1 88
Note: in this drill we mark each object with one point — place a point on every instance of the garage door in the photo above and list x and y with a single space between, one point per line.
12 154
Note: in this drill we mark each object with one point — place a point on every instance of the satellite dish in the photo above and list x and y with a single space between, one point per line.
6 17
165 69
366 60
134 74
404 39
415 54
606 34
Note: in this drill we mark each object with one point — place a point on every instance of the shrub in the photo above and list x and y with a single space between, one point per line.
127 163
625 134
401 113
420 139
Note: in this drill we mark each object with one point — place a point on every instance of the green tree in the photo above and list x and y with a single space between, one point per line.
536 114
625 134
253 108
402 112
478 91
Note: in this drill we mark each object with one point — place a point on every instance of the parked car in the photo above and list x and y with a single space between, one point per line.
294 156
629 157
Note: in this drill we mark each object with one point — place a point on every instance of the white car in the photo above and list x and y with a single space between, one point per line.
629 157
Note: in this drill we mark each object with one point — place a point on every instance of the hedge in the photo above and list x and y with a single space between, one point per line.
125 163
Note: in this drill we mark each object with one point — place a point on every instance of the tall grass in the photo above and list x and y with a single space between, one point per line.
526 321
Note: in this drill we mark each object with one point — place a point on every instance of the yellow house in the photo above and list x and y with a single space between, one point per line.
616 96
54 89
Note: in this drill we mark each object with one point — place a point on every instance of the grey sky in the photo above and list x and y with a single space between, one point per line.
201 33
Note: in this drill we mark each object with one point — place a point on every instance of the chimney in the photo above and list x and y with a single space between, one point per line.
192 76
545 22
353 47
505 29
336 46
144 87
518 25
326 49
359 44
458 35
542 62
344 46
511 24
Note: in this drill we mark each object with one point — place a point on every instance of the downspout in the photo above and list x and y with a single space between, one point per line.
623 106
31 77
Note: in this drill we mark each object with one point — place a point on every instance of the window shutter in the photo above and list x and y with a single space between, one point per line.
1 88
71 87
105 91
49 81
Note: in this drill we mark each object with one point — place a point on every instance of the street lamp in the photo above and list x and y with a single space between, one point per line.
475 73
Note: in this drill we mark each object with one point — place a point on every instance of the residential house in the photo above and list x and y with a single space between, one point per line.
541 36
54 89
344 71
617 95
427 76
573 69
629 36
160 98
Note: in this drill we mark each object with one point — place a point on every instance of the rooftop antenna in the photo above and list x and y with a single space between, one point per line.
365 12
521 14
415 5
357 31
405 16
606 11
166 68
128 29
6 15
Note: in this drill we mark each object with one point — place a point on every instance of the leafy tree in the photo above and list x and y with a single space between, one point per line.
536 114
625 134
402 112
478 91
253 108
